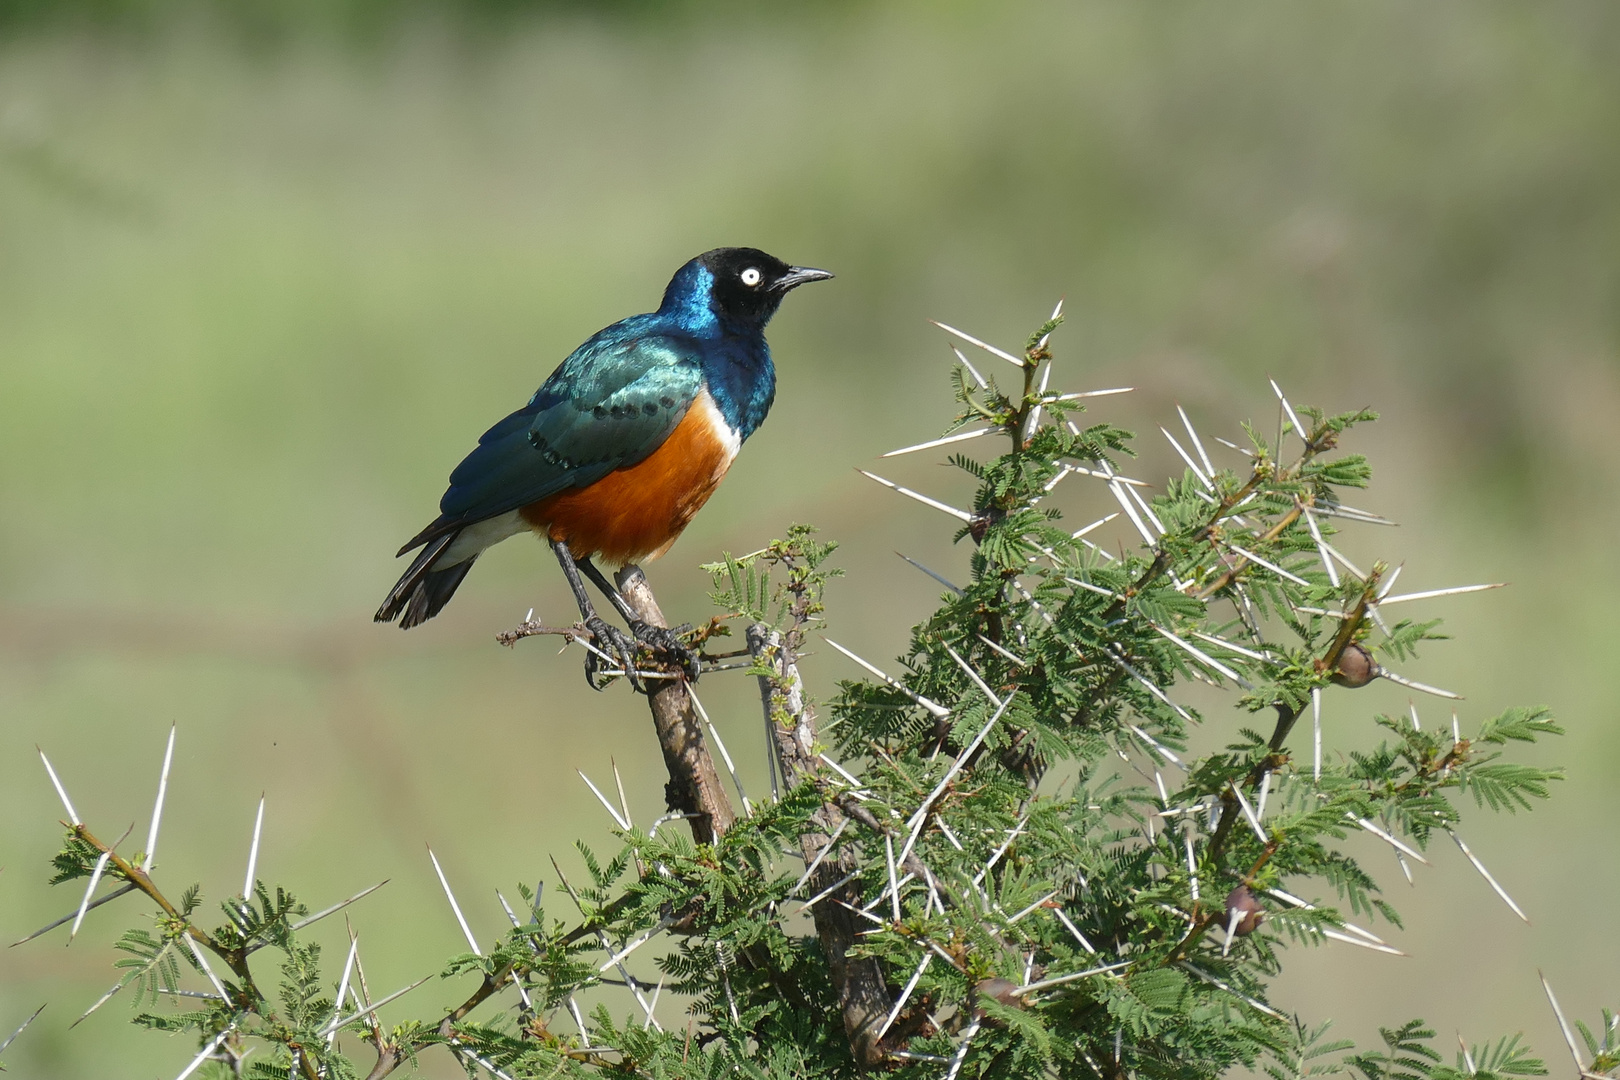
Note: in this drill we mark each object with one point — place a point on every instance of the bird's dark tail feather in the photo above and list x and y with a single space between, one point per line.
423 589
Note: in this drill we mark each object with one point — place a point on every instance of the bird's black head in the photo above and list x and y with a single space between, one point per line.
740 286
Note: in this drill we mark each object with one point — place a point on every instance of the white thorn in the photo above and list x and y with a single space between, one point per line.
1344 562
1197 444
339 906
579 1019
1153 518
937 710
1000 851
1191 464
1094 393
157 807
905 995
1025 911
1234 646
984 688
61 792
1321 547
1192 864
937 577
1046 984
824 893
623 824
634 945
1563 1025
1299 429
1387 838
725 755
1034 420
971 340
1349 940
1486 874
653 1004
848 776
1063 918
624 803
205 1053
1259 1006
1160 694
1273 567
253 852
1432 593
971 369
89 890
202 962
1413 684
472 942
1316 734
1248 812
343 984
13 1036
339 1025
1163 751
822 854
894 885
960 515
1099 523
1208 660
1130 511
1111 476
1020 661
946 441
1352 514
961 1049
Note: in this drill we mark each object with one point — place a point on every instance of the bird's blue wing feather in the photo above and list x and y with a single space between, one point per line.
610 404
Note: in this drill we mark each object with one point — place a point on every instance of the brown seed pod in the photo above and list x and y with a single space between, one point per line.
1356 667
1241 905
998 989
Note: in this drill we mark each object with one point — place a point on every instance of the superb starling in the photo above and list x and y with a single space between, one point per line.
619 447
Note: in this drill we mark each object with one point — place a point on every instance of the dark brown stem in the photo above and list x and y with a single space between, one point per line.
863 998
694 784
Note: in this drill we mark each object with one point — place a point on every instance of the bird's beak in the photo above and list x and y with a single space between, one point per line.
799 275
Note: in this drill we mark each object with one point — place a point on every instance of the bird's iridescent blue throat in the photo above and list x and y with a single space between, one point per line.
737 365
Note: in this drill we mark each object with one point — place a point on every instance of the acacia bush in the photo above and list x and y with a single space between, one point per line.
996 858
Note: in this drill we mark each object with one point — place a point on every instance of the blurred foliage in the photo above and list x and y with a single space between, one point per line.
266 21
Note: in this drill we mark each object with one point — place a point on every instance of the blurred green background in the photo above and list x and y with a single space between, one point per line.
266 271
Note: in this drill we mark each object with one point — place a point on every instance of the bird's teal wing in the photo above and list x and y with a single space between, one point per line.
610 404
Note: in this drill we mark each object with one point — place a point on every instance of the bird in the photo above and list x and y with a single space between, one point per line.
618 449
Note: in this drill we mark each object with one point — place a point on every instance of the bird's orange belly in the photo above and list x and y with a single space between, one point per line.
636 513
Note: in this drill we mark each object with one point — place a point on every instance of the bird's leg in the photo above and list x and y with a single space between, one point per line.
607 636
658 638
600 580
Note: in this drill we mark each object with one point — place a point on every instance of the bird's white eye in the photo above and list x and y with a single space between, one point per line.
751 277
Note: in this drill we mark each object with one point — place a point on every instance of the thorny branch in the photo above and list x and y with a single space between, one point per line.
894 1011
